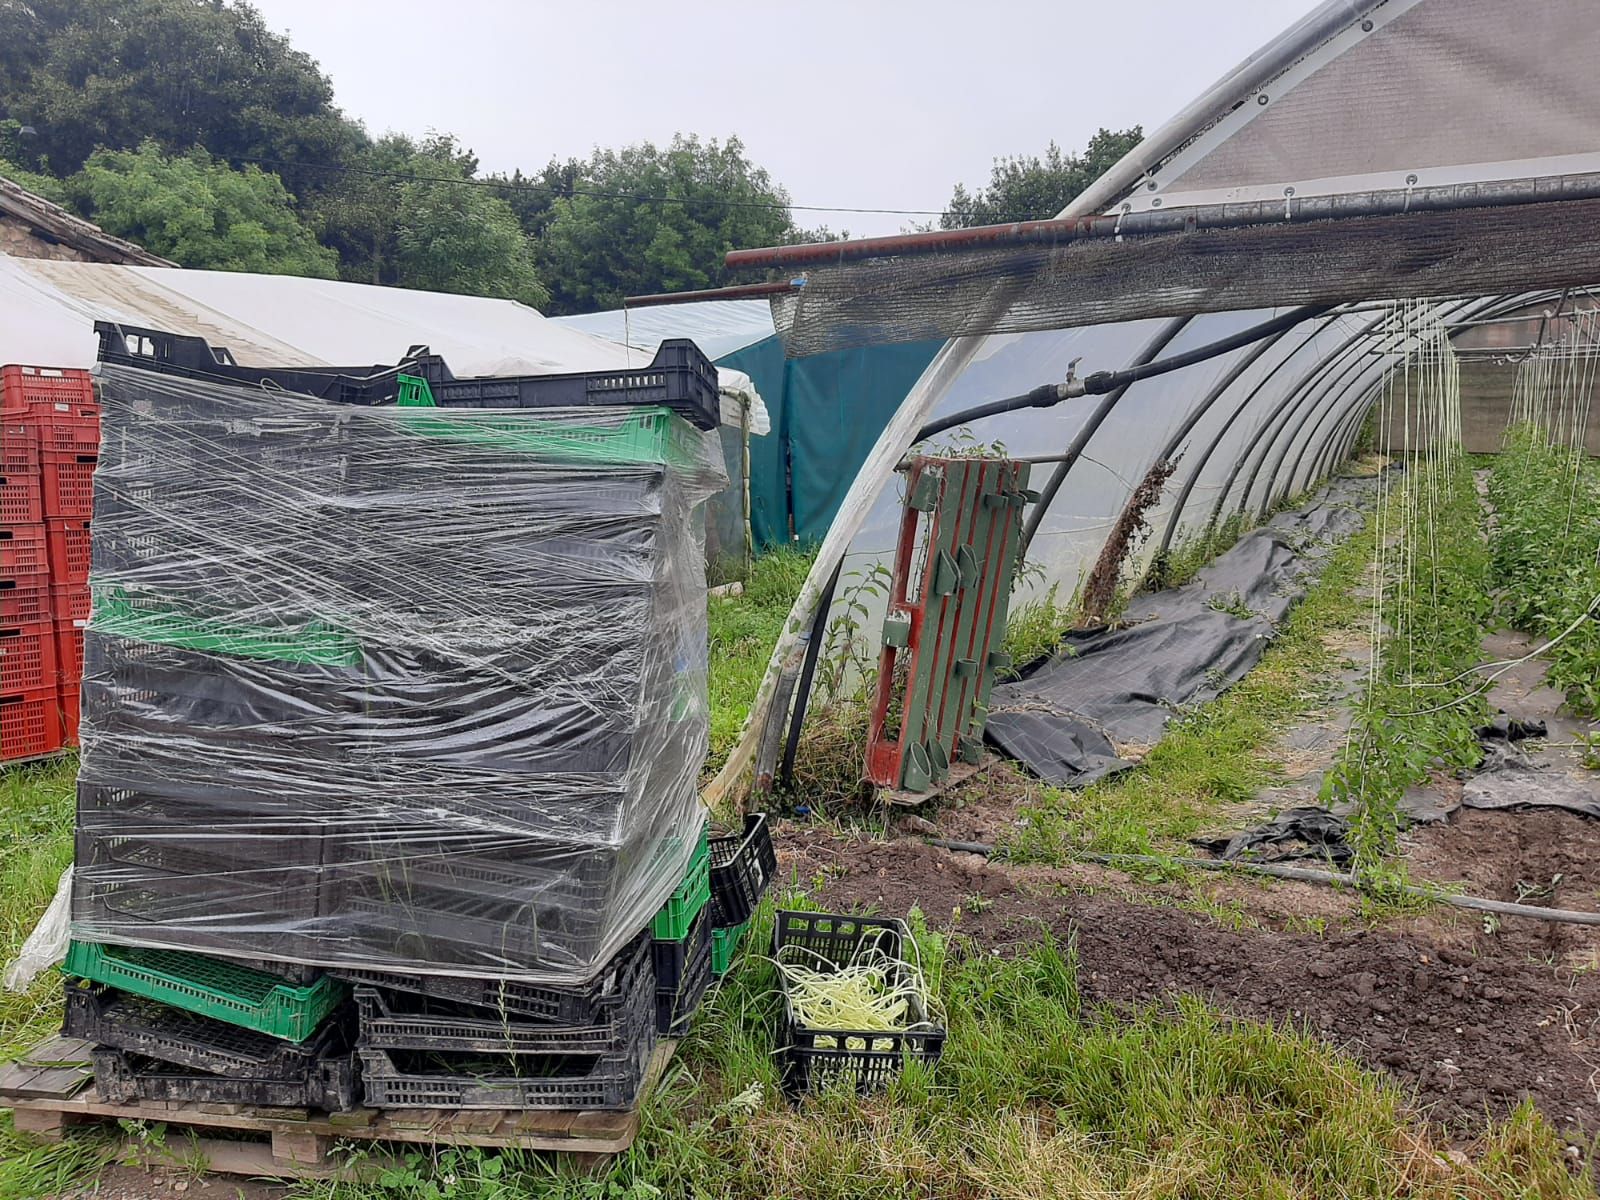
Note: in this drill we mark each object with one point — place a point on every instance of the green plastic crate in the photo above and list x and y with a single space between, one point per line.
723 944
148 618
651 436
672 923
212 987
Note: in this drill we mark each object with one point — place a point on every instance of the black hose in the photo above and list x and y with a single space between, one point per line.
819 627
1104 381
1043 396
1101 382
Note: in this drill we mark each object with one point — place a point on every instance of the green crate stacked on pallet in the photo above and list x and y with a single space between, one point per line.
211 987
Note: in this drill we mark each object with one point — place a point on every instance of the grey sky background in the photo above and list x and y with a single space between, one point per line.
873 104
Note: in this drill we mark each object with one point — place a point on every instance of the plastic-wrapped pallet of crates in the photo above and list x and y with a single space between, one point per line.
390 688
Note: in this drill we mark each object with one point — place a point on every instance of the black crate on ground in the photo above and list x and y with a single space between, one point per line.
690 967
125 1078
433 1079
392 1019
594 1003
742 865
120 1021
813 1057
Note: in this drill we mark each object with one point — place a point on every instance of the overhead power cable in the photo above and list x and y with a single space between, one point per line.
563 192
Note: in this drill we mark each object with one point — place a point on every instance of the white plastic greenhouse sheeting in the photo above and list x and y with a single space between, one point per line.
48 310
718 327
1359 94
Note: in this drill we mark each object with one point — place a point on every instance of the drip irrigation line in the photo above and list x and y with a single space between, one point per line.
1503 908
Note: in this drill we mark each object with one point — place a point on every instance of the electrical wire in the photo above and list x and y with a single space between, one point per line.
560 192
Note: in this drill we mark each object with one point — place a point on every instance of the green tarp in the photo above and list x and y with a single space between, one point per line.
826 411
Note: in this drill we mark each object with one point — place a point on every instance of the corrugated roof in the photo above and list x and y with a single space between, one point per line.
56 224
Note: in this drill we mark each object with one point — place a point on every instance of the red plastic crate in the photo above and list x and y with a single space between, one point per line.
69 652
68 541
20 492
31 723
69 602
70 709
24 552
22 602
68 483
67 435
28 657
33 390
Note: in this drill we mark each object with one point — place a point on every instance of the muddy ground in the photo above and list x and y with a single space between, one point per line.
1473 1021
1472 1014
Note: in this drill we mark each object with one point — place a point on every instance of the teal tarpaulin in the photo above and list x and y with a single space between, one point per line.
826 411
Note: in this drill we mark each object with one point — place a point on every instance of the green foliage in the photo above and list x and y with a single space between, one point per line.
743 631
463 239
1038 1095
1546 556
1424 704
116 73
1028 188
596 249
199 212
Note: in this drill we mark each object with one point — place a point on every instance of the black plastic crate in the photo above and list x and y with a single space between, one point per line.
433 1079
391 1019
742 865
124 1078
676 1006
137 1025
680 377
872 1058
594 1003
672 958
193 358
467 902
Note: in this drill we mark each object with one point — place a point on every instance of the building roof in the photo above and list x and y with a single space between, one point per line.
55 223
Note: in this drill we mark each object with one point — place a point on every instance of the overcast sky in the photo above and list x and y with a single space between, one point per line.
871 104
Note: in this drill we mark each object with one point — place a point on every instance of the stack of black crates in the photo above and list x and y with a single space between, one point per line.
393 713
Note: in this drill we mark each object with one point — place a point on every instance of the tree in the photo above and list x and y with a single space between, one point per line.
416 216
655 219
1032 188
463 238
199 212
116 73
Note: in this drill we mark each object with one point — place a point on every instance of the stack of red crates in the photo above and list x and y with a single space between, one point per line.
49 444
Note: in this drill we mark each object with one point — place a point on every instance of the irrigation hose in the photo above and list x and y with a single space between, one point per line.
1103 382
1504 908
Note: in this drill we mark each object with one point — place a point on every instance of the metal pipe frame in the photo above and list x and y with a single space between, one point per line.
1080 441
1211 397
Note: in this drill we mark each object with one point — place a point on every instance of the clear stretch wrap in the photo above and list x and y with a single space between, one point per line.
401 688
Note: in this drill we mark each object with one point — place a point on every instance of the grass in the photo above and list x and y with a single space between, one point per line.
743 631
1037 1095
1213 756
36 813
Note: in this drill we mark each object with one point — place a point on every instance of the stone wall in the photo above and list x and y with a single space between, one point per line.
19 241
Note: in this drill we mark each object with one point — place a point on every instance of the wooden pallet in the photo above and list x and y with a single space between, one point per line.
51 1088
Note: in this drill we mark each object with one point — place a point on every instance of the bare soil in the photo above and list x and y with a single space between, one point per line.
1471 1021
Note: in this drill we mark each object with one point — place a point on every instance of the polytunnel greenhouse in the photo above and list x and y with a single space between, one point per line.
1360 188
